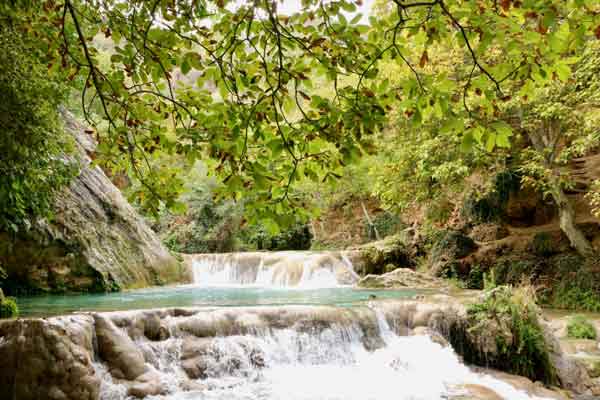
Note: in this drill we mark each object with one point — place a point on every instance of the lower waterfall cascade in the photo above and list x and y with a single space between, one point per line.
360 360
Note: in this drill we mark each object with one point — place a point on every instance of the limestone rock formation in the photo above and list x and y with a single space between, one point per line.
48 359
96 241
74 357
401 278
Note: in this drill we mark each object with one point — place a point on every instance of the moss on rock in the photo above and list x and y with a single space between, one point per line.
376 256
504 332
8 307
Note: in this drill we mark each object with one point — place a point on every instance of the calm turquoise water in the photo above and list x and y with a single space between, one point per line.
189 296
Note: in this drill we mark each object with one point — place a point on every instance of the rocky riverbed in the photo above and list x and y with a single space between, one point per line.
178 350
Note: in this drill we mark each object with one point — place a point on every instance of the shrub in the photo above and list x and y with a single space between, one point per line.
579 327
542 244
8 307
475 279
505 333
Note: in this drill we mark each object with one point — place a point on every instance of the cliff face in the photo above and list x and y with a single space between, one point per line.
95 242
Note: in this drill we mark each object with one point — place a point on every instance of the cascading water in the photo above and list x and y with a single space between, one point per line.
317 360
279 269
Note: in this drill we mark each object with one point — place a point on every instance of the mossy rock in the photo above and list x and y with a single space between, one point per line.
452 245
376 256
8 307
448 247
389 268
95 241
504 332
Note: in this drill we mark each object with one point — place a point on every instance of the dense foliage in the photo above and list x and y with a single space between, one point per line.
33 163
274 97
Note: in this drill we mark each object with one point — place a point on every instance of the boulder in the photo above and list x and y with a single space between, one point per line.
147 384
478 392
401 278
118 351
448 248
48 359
373 257
95 242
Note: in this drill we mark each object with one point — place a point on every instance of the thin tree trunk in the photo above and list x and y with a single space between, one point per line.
544 139
314 230
568 224
369 221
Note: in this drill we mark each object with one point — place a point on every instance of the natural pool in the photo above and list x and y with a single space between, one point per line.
195 296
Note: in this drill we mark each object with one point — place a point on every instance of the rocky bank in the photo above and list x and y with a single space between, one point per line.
72 357
96 241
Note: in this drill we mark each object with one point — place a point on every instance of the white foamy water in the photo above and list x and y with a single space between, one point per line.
335 363
290 269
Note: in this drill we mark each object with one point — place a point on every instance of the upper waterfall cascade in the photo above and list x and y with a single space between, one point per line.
300 269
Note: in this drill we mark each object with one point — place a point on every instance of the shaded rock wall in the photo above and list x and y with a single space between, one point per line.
96 241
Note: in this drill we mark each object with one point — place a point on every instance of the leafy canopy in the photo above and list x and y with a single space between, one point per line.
32 147
269 99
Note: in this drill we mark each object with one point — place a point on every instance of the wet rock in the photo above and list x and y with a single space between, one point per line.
192 386
196 356
153 327
435 337
400 278
147 384
478 392
115 347
42 359
571 373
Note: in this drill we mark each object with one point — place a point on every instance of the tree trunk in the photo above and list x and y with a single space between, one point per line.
372 227
568 223
544 139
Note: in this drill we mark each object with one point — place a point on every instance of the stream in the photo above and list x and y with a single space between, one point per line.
278 326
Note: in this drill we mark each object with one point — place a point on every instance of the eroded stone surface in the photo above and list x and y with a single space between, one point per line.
58 352
401 278
96 241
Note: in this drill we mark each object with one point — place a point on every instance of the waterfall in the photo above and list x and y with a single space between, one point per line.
300 269
322 356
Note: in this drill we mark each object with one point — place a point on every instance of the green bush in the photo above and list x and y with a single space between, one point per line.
475 279
578 287
505 333
542 244
8 307
297 237
579 327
